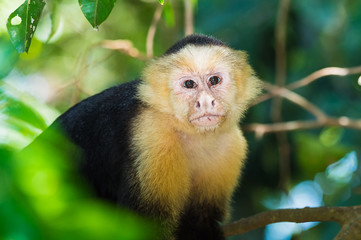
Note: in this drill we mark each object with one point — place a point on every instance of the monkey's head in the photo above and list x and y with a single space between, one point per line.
200 82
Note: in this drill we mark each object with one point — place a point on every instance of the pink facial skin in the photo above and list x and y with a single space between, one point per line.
203 95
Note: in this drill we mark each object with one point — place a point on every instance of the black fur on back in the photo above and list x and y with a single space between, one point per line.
194 39
100 126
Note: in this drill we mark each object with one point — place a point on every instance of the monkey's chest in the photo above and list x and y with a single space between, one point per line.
214 166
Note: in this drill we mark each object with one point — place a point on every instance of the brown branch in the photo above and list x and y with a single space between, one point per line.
280 38
284 148
335 71
281 57
322 118
297 99
260 129
348 217
188 17
330 71
124 46
152 29
351 230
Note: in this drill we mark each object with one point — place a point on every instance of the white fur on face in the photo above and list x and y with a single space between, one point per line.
204 106
163 88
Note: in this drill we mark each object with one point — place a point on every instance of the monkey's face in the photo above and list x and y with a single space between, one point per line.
203 87
199 97
202 91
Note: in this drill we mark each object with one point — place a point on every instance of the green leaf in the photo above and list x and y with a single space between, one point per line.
195 3
161 2
8 56
168 15
96 11
16 109
53 9
22 23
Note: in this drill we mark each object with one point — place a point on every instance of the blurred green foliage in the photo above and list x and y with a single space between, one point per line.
39 196
8 56
316 153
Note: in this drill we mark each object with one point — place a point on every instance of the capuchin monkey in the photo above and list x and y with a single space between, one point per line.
168 146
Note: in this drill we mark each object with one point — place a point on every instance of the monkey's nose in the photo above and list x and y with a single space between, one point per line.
205 102
198 104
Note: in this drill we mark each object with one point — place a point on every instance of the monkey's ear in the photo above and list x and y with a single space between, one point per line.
154 90
242 55
248 84
254 88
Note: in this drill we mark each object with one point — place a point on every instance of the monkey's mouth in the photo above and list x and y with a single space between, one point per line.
207 120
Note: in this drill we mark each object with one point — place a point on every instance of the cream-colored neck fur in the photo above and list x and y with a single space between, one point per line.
174 168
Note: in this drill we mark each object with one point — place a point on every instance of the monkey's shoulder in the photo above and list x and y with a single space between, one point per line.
112 100
100 127
102 118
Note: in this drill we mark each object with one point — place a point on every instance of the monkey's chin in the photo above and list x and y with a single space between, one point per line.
207 122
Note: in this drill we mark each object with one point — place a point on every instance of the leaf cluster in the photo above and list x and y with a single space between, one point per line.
23 22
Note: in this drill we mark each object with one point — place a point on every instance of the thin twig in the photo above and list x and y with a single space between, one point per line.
297 99
336 71
76 91
188 17
284 148
260 129
280 35
152 29
329 71
124 46
281 57
76 80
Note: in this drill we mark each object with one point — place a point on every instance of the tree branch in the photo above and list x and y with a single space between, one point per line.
284 148
280 39
124 46
348 217
329 71
281 57
152 29
322 118
297 99
261 129
188 17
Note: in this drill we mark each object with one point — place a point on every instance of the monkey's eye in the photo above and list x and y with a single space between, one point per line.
189 84
214 80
